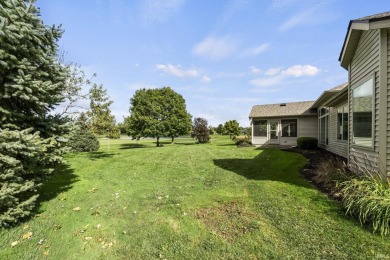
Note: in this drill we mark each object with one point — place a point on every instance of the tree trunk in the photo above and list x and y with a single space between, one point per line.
173 138
158 141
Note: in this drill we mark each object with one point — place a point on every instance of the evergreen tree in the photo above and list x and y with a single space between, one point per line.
101 122
32 83
200 130
158 113
81 139
232 128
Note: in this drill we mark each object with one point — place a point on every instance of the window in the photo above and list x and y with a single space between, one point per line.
260 128
362 119
342 123
323 125
289 128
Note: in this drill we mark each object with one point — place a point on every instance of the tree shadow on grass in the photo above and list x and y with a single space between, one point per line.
270 164
133 146
99 155
61 180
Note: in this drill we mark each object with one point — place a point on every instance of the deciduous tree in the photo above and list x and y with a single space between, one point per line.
232 128
200 130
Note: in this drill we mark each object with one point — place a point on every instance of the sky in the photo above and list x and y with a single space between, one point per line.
223 57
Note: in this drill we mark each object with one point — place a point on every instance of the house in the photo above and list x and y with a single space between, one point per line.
282 124
353 119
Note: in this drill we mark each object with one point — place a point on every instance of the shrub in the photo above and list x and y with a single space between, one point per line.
368 198
307 142
200 130
82 139
242 140
329 173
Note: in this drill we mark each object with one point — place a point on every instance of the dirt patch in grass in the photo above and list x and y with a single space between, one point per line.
230 220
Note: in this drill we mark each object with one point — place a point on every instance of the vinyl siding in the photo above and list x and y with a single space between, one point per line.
364 64
339 147
388 103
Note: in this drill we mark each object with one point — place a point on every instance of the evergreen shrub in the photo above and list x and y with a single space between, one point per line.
307 143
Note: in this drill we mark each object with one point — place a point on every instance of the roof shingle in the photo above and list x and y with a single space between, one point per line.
278 110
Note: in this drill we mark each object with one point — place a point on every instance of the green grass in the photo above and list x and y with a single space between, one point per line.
187 201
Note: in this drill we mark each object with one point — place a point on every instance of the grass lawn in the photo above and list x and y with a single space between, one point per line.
186 201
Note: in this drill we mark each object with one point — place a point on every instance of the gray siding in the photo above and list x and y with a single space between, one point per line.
308 127
335 145
388 103
364 64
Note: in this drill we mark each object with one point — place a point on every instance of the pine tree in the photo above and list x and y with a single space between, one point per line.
81 138
101 121
32 83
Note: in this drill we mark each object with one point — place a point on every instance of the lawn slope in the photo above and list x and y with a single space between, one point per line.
184 201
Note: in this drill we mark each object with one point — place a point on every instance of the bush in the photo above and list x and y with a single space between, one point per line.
329 173
242 140
307 142
82 139
368 198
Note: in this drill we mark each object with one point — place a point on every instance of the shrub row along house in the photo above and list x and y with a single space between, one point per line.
351 120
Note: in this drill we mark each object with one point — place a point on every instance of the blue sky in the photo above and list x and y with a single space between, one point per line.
222 56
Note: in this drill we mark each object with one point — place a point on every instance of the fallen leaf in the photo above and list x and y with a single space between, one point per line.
14 243
93 189
87 238
76 209
40 242
27 235
98 226
46 252
25 227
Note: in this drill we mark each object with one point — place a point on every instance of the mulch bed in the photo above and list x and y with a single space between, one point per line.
315 157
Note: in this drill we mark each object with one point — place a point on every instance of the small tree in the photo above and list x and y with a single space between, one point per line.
81 139
232 128
219 129
211 130
200 130
157 113
101 122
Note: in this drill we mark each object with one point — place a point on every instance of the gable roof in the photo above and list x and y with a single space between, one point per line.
355 29
330 95
283 110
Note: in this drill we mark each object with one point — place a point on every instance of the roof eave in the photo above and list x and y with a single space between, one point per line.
352 37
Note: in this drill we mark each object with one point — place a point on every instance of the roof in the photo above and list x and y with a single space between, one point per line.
354 31
330 95
283 110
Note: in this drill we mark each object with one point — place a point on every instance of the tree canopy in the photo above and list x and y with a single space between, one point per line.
158 113
232 128
200 130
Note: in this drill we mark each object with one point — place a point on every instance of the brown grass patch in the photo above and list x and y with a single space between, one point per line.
229 221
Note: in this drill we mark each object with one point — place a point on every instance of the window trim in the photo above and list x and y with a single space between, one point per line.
343 107
259 121
356 85
281 127
324 116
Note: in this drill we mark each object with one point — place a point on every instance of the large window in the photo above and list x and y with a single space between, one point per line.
289 128
260 128
323 125
342 123
362 109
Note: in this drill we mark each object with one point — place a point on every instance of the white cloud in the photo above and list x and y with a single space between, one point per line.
276 76
159 10
301 70
205 79
272 71
256 50
301 18
255 70
178 71
215 48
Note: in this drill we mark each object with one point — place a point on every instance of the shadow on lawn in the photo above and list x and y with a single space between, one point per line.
99 155
270 164
59 181
132 146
